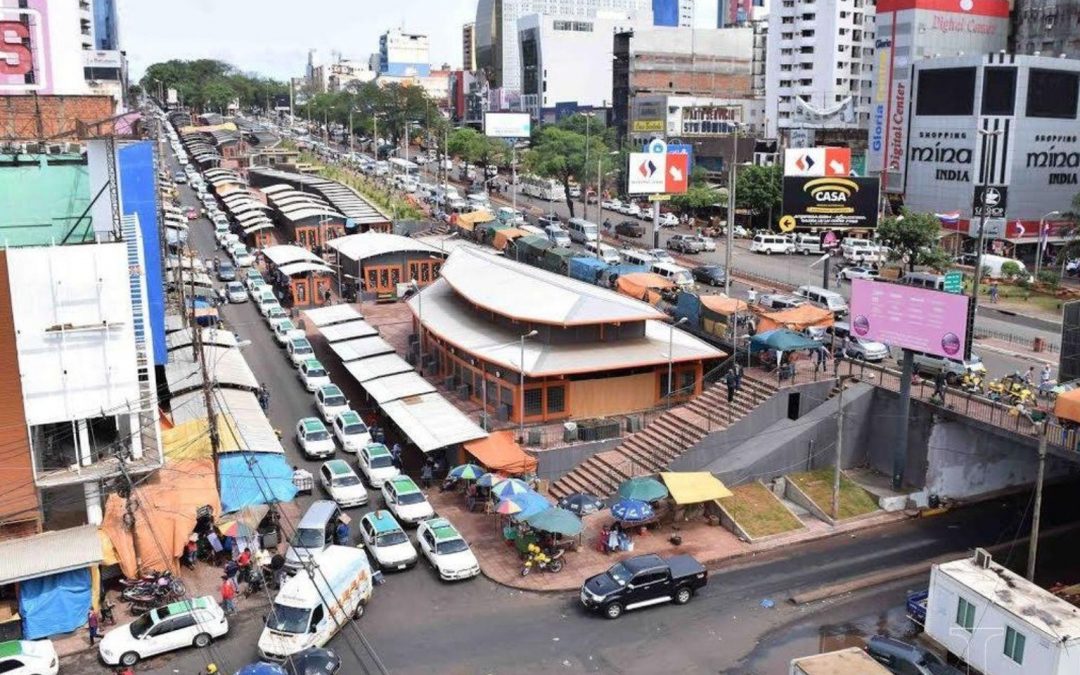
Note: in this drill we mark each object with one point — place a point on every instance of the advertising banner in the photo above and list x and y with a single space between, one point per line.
507 125
913 318
649 115
646 174
24 50
817 162
831 202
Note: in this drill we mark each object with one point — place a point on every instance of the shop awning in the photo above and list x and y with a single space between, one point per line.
242 424
1067 406
377 366
504 237
431 422
796 318
305 267
361 348
694 487
393 387
253 478
782 340
49 553
499 452
331 314
349 331
723 305
467 221
644 286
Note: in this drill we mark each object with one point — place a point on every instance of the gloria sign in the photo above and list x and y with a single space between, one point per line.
913 318
831 202
23 51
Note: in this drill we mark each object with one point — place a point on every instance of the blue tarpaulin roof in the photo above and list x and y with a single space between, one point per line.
252 478
782 340
54 604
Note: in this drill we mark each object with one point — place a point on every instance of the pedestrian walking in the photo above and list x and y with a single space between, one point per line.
426 474
838 357
751 296
939 386
1029 376
738 370
341 534
994 292
729 380
395 455
228 595
92 624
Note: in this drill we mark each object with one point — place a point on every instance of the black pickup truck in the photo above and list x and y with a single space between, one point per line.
642 581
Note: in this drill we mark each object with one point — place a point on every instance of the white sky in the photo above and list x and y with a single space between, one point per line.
272 37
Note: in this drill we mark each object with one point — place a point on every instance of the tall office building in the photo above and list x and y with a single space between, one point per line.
819 68
402 53
106 31
498 50
468 47
1048 27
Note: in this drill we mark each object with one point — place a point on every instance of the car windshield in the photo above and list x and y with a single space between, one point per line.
288 619
316 372
452 546
391 538
141 625
351 429
335 400
308 538
620 574
346 481
411 498
303 349
320 435
382 462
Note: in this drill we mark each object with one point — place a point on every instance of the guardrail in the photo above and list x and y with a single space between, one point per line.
1014 339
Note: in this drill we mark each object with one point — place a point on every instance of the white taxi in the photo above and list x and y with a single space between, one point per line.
386 542
330 401
37 657
406 501
342 484
446 550
313 374
351 431
377 464
180 624
313 438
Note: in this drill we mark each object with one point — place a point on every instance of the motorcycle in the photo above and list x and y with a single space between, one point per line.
542 561
167 589
972 384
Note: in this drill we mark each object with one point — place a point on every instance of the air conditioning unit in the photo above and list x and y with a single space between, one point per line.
484 420
983 558
54 148
532 437
569 432
633 424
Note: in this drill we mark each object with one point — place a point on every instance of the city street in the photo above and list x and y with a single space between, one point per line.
417 624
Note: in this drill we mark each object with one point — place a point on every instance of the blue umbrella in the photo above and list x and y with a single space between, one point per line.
510 487
531 503
467 472
557 521
489 479
631 511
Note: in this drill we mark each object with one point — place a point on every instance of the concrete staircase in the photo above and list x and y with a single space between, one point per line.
664 439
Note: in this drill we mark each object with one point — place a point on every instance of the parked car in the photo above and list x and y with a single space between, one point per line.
446 550
865 350
386 542
342 484
642 581
180 624
771 243
780 301
669 220
28 657
713 275
707 244
377 464
314 439
406 501
330 401
351 431
284 331
629 228
684 243
299 350
849 273
901 657
226 272
611 205
235 292
312 374
660 255
929 365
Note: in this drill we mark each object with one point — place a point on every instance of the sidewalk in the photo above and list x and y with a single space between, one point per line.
714 546
1016 350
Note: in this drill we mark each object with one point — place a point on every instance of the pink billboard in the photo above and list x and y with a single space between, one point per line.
927 321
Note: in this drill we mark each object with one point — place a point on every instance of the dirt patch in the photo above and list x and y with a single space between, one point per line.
818 486
758 511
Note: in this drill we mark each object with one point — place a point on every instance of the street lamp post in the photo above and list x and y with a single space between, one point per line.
420 327
1042 240
521 370
442 242
671 354
730 235
982 217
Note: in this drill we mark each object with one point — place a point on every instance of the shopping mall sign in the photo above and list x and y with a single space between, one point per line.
23 50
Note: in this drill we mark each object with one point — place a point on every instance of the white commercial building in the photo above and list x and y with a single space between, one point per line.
1000 623
347 72
819 67
403 54
498 49
567 61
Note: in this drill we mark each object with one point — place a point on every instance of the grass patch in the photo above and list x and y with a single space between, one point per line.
758 511
1015 295
817 485
389 201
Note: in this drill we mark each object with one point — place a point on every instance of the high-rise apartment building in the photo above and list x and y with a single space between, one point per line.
402 53
498 50
1047 27
819 67
468 47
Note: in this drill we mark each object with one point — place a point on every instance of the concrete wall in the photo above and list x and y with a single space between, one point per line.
552 464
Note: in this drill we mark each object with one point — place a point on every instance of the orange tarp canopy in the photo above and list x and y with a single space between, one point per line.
796 318
722 304
500 452
468 221
164 510
643 286
504 237
1067 406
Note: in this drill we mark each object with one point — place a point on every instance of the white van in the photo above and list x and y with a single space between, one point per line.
769 244
935 282
532 229
994 263
823 297
308 612
680 276
632 256
808 244
581 230
509 216
557 235
608 253
861 251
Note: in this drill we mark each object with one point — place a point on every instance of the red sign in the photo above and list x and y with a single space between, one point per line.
838 162
18 58
677 173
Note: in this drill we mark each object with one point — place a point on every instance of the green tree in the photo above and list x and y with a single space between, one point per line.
203 82
699 194
560 153
1071 248
912 239
218 94
759 189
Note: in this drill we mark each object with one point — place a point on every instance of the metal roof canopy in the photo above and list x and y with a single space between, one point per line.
304 267
377 366
285 254
254 431
431 422
394 387
332 314
349 331
226 366
41 555
210 336
362 348
371 244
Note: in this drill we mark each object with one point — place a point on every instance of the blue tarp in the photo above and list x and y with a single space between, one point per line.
782 340
54 604
250 478
531 503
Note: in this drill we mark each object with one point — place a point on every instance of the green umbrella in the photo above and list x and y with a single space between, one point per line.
643 489
467 472
556 521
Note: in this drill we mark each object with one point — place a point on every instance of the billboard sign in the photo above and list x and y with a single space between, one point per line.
658 173
507 125
170 97
649 115
933 322
24 52
831 202
990 201
815 162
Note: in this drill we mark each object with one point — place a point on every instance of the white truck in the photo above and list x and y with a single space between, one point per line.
310 609
861 251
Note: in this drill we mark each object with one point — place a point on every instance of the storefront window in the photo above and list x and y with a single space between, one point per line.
534 402
556 399
300 291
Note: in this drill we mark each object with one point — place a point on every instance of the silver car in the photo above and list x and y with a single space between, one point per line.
865 350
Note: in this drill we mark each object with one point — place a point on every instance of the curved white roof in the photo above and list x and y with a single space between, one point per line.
258 227
308 211
370 244
526 293
285 254
303 268
278 187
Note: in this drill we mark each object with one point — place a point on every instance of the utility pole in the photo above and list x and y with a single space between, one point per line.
839 449
729 239
208 401
1033 543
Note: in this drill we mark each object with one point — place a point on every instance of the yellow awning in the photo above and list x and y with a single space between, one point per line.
469 220
694 487
191 440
